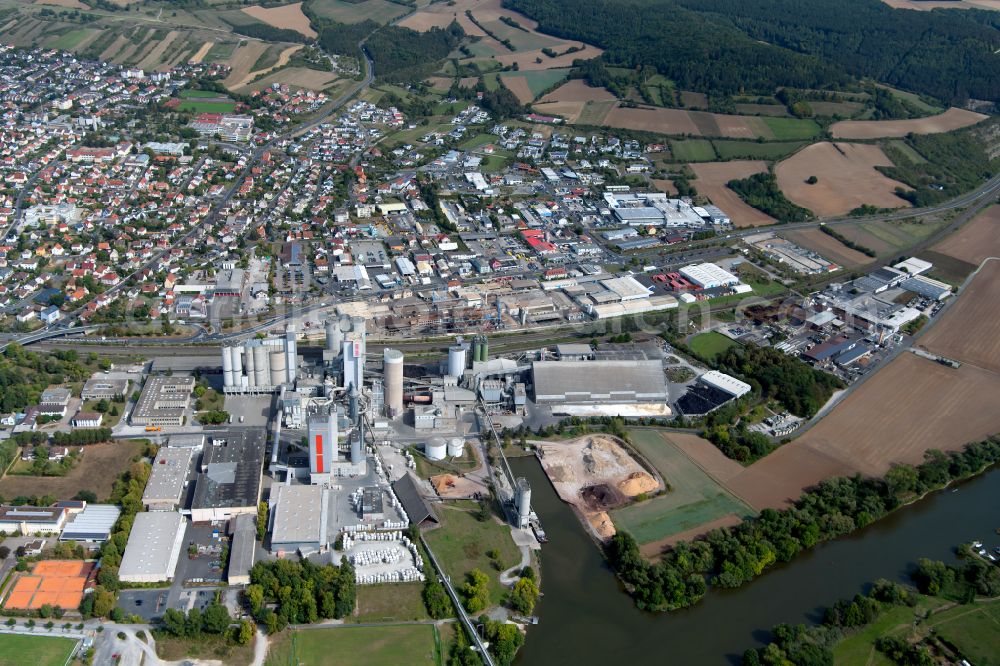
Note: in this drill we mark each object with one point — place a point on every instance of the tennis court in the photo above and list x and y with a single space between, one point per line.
52 582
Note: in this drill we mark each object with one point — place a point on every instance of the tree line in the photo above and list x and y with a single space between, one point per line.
731 557
283 592
761 191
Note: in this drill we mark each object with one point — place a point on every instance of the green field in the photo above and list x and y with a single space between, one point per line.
199 94
693 150
477 141
539 80
461 544
710 344
752 150
17 650
914 99
594 113
207 107
380 11
974 629
71 39
907 151
355 646
791 129
694 499
392 602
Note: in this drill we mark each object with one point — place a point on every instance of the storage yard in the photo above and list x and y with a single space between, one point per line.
596 474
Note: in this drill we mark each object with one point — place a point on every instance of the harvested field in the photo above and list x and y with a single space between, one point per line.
661 121
154 59
519 86
96 471
828 246
289 17
595 474
970 329
594 113
202 52
947 268
711 182
694 498
440 83
762 109
571 111
113 48
665 186
299 77
694 100
527 60
847 178
951 119
577 90
975 241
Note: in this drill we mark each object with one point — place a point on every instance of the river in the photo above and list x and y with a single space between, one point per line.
585 618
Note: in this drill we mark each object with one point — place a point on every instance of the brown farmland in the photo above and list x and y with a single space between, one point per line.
289 17
242 61
970 330
712 179
661 121
977 240
951 119
576 90
847 178
519 86
96 471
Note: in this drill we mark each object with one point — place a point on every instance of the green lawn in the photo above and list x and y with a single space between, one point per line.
539 80
791 129
907 150
461 544
355 646
17 650
731 150
710 344
69 41
207 107
693 150
196 94
477 141
694 498
974 629
392 602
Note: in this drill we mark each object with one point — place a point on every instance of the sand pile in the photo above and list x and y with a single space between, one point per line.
443 482
603 458
638 483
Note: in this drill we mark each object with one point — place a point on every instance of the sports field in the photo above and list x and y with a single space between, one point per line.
695 498
17 650
207 107
356 646
710 344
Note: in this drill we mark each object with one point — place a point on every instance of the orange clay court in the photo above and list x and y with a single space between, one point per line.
53 582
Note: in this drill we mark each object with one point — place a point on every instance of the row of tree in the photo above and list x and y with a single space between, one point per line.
731 557
761 191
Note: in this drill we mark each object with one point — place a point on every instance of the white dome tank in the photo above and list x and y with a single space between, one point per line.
436 448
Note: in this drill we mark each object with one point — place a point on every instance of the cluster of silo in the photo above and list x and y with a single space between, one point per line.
480 349
456 447
392 369
259 365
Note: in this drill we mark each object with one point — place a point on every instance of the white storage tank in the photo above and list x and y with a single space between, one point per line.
456 360
456 447
277 367
436 448
248 356
523 502
261 367
393 371
227 367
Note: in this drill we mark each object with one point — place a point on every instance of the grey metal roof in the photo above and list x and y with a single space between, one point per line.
416 507
231 471
608 381
94 523
300 514
243 545
153 545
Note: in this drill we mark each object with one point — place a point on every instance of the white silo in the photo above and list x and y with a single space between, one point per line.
523 502
291 354
456 360
277 360
334 336
393 370
227 367
236 357
436 448
261 367
456 447
248 359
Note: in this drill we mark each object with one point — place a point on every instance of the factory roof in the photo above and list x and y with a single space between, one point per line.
626 287
153 545
231 471
914 266
591 380
169 474
417 508
724 382
94 523
708 273
243 546
300 514
31 514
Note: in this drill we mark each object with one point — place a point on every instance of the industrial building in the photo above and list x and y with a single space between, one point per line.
599 381
326 460
709 276
101 388
92 525
164 402
168 478
260 365
725 383
32 519
154 546
299 518
230 474
242 548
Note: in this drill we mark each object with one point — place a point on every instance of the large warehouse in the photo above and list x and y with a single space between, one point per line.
709 276
299 516
154 546
230 476
599 381
168 478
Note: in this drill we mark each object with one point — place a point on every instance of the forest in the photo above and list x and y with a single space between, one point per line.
756 46
762 192
283 592
732 557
